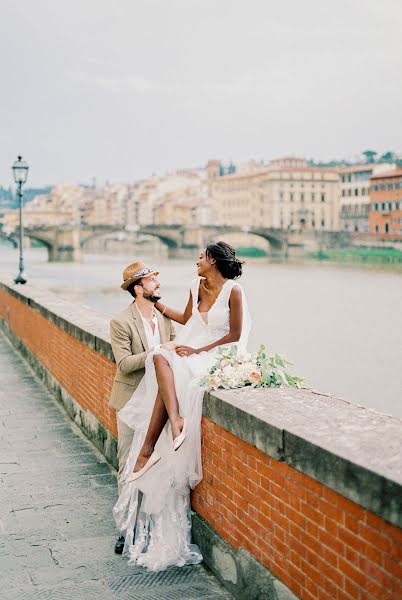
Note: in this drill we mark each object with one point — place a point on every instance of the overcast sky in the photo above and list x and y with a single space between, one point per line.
120 89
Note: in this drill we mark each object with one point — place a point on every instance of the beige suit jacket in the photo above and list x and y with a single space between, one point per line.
130 349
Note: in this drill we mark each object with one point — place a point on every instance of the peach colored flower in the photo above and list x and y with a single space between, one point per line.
254 376
214 381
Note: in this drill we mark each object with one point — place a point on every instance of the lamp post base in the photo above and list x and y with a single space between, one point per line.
20 279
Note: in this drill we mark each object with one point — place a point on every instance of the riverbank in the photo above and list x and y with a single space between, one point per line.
352 254
359 255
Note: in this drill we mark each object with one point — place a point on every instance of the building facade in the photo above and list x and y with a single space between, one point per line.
355 196
284 194
385 214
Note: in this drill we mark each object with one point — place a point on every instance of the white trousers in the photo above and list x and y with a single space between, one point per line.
124 438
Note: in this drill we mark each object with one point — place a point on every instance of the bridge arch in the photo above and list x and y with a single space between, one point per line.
9 238
164 237
275 238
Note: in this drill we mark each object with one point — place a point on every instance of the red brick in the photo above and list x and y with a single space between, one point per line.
394 567
296 517
352 589
373 536
352 572
352 540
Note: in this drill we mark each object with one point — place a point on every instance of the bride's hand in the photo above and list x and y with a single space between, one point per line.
185 351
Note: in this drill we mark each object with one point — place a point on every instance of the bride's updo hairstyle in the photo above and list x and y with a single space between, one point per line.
227 264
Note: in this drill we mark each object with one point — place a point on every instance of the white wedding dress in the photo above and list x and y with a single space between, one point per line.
153 512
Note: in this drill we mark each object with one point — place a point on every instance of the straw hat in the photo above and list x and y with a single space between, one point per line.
136 271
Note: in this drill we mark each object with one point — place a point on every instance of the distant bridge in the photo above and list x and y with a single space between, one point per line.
66 243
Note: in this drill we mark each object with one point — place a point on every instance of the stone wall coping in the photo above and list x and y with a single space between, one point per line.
354 450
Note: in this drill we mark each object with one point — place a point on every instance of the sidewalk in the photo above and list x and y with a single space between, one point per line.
56 496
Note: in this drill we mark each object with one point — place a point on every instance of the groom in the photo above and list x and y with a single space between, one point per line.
134 333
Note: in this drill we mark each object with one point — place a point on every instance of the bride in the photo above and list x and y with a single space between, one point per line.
153 509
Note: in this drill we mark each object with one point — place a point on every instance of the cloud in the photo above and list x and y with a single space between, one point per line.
136 84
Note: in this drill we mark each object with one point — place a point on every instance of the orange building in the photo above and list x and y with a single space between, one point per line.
385 215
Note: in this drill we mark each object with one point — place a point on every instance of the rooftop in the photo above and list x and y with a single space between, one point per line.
387 174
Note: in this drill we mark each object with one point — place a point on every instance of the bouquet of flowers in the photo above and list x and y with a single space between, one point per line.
235 370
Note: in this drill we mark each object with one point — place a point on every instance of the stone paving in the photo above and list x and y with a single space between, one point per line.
56 495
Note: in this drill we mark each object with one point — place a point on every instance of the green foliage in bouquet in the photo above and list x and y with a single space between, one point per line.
273 370
233 369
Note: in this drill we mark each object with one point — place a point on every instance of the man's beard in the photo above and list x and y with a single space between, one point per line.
152 297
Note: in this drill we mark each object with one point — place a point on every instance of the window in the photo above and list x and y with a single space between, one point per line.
386 228
291 196
322 197
302 197
382 205
349 192
313 196
376 228
322 222
280 196
343 192
356 191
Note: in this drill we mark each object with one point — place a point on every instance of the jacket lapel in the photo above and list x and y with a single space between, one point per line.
139 325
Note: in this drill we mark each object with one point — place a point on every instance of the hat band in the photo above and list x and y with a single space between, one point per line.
140 274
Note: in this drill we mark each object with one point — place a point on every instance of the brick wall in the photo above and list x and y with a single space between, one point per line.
318 543
315 541
84 373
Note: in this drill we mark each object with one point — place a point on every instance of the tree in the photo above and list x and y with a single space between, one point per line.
370 156
387 157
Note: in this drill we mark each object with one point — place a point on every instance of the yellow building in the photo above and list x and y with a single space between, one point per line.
284 194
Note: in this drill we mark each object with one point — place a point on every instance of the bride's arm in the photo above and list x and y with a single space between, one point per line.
176 315
235 325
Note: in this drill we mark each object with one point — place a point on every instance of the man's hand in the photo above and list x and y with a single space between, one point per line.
185 351
169 346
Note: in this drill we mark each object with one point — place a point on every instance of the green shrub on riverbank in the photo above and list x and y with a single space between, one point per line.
362 254
250 251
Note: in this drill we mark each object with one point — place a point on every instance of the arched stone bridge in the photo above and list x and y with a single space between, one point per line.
9 238
66 243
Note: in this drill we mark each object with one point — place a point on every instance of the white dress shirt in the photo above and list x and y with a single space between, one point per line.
153 337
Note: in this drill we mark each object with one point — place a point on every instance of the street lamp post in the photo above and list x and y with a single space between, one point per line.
20 172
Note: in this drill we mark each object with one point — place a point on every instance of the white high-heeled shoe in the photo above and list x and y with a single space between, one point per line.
153 459
178 441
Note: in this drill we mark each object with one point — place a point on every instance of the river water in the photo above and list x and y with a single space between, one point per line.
341 326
